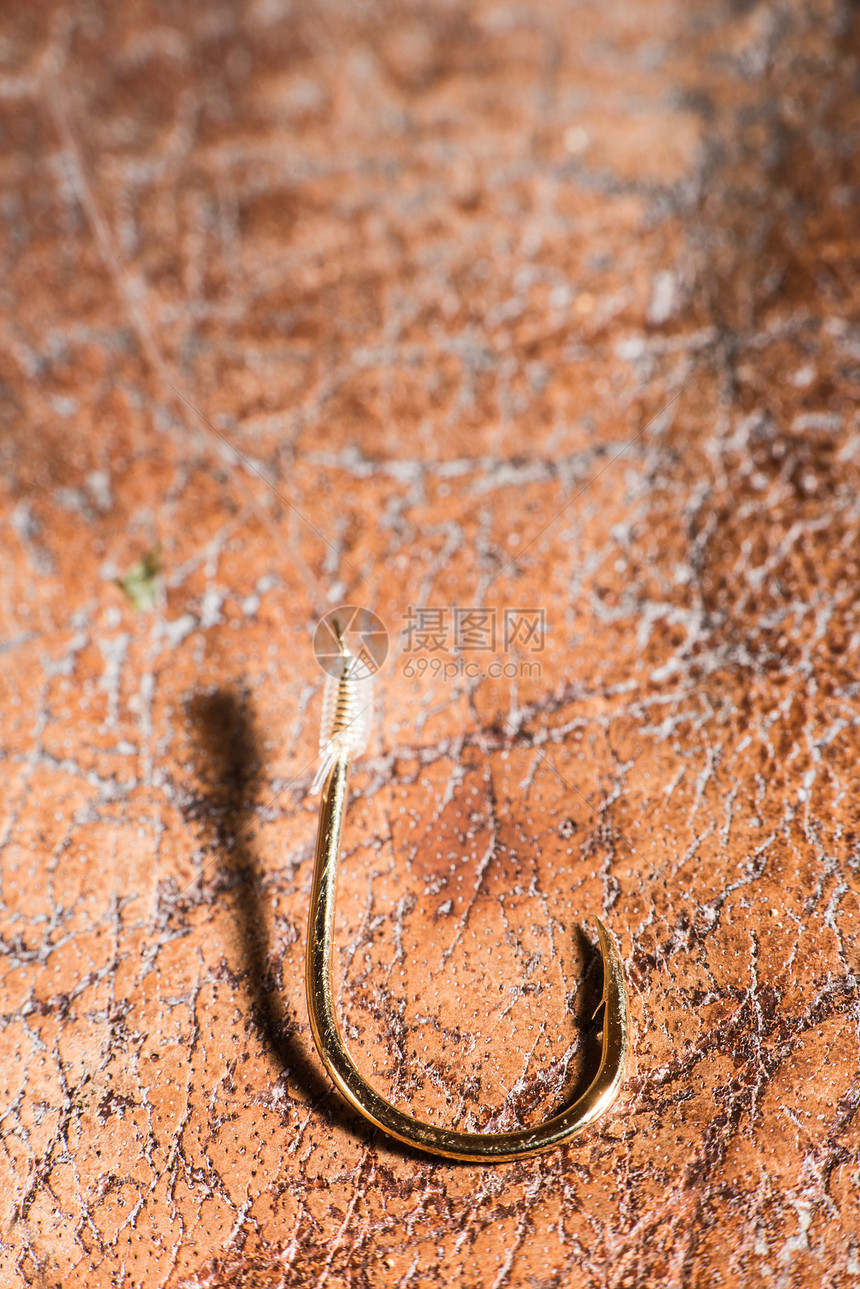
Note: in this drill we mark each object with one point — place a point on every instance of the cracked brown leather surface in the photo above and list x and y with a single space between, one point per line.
517 307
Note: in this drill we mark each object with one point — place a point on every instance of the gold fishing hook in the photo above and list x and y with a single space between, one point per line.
346 719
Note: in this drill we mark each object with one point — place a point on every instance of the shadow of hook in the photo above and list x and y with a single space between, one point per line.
228 763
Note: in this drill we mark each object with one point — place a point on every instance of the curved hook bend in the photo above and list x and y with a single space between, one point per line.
475 1146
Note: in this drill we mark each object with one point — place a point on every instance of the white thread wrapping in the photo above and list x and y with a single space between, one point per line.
347 716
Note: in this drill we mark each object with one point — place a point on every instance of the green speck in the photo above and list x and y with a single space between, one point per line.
140 583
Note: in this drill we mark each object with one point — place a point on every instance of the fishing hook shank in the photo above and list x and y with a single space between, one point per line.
477 1147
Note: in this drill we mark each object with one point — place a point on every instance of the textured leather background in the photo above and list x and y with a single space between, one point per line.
509 305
